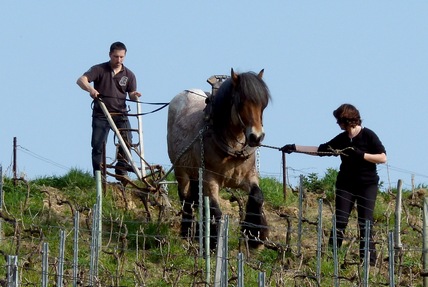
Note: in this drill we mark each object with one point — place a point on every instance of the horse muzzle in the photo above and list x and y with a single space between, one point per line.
254 139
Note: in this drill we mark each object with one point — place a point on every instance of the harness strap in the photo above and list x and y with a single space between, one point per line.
244 153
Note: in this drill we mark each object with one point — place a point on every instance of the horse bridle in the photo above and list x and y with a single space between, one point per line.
246 151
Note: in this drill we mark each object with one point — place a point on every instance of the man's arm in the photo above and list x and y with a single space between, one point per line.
84 84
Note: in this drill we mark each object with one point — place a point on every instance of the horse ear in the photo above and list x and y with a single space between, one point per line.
260 75
234 76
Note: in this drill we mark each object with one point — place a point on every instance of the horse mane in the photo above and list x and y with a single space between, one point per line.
247 87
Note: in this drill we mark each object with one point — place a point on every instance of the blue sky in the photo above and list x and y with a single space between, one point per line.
316 55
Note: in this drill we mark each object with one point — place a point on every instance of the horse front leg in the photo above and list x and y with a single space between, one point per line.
255 225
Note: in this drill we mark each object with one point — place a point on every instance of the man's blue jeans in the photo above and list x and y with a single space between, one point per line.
100 131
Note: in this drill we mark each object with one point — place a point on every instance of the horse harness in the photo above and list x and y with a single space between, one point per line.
246 151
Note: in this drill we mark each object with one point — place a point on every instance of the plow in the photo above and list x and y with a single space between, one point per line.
150 184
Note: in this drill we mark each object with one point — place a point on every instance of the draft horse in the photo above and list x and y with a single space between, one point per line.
220 133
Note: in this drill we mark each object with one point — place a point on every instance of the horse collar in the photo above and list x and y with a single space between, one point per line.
243 153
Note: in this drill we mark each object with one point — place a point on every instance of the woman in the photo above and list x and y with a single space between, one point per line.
357 181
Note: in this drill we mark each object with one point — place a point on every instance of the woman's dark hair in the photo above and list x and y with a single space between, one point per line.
117 46
347 114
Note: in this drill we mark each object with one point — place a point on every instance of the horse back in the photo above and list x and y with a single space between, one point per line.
185 120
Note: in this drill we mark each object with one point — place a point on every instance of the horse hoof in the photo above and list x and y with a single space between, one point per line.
255 244
186 232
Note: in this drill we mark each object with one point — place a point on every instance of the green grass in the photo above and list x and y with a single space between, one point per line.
273 191
34 212
73 179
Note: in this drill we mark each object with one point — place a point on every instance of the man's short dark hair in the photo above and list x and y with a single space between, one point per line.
117 46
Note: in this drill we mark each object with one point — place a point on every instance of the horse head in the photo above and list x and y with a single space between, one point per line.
250 98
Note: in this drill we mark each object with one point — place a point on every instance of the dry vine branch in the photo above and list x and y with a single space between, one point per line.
61 202
408 217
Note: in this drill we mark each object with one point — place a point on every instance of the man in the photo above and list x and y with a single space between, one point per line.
112 81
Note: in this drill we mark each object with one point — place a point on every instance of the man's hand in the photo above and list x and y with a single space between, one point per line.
134 95
94 93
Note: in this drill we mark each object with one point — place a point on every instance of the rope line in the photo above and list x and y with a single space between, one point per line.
163 105
135 101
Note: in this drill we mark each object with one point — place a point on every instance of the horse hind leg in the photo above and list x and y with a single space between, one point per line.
189 226
189 201
255 225
215 216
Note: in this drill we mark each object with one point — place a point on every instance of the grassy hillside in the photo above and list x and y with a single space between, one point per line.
139 252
